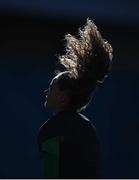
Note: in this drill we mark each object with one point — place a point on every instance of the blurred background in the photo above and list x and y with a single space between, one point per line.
31 36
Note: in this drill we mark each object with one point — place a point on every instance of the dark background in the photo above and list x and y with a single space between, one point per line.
31 35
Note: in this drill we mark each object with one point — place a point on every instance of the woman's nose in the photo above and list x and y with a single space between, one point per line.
45 91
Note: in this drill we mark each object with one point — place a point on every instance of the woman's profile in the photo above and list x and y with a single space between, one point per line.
68 143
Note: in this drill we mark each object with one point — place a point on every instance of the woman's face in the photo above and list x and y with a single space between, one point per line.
56 100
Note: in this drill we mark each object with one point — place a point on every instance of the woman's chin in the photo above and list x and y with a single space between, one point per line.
46 105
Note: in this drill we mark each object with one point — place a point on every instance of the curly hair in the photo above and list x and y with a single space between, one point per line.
87 62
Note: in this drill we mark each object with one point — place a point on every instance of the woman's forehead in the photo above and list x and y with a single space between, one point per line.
55 79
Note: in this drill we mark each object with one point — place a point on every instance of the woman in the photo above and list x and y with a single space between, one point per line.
68 143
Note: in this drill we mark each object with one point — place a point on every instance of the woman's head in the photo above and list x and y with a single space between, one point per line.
56 100
65 92
87 62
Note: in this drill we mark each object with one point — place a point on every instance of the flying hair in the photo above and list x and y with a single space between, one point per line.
89 56
87 62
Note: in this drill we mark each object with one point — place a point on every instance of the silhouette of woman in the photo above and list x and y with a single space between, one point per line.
68 143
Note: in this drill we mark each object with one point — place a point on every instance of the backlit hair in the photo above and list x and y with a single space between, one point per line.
87 62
